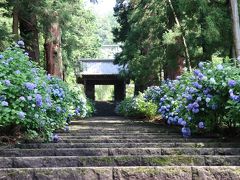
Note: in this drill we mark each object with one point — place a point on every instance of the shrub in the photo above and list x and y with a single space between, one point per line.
137 107
208 98
34 102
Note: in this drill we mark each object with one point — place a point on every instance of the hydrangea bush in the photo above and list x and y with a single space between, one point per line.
30 99
208 98
137 107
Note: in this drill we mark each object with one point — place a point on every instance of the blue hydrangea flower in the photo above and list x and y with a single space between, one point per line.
22 98
4 103
58 109
7 82
199 99
1 56
208 99
30 86
231 83
200 65
55 138
214 107
17 72
220 67
212 81
20 43
21 115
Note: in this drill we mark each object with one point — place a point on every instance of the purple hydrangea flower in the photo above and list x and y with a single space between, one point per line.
190 106
231 83
39 100
201 125
195 110
186 132
196 72
205 91
30 86
21 115
197 85
195 105
183 123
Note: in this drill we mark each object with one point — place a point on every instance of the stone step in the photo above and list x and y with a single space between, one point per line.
125 145
101 161
115 123
118 130
117 133
158 140
117 173
137 136
117 151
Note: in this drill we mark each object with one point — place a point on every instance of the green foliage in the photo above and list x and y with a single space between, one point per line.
5 29
153 40
104 92
33 101
137 107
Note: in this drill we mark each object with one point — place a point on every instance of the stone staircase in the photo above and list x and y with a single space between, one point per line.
114 148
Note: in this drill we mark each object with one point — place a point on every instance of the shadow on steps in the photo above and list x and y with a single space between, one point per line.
105 108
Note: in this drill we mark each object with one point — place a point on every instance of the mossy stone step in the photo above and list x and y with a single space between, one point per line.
100 161
117 151
126 145
117 173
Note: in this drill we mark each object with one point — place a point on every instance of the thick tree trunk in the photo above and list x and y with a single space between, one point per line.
53 53
15 23
172 71
29 33
236 27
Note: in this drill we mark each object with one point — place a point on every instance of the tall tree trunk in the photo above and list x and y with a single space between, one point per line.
187 56
15 22
29 33
236 27
53 53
